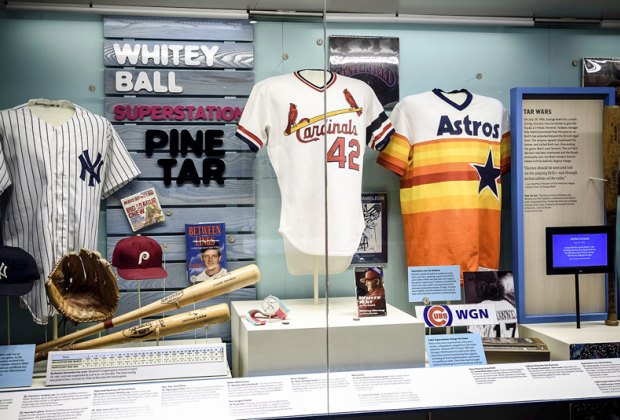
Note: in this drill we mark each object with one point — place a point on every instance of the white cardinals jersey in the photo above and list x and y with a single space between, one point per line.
58 175
293 118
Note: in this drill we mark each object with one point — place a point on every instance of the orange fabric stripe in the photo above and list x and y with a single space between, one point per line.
450 237
395 156
441 167
505 153
454 140
443 176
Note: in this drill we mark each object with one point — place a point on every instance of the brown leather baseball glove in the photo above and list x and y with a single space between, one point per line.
82 287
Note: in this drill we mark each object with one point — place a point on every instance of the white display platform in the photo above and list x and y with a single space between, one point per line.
559 336
383 342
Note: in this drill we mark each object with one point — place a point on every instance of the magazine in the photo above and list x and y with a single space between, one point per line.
370 291
373 244
143 209
205 251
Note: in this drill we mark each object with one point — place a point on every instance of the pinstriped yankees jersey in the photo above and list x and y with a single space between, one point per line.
287 115
52 179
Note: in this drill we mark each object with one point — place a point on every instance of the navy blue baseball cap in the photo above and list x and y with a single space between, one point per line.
18 271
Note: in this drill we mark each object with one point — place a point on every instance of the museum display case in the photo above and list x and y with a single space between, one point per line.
328 208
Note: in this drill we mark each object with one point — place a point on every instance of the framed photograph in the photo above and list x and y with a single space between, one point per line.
373 247
556 180
602 72
373 60
496 288
370 291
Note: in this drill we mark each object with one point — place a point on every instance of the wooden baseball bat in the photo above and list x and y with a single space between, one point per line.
154 329
611 154
234 280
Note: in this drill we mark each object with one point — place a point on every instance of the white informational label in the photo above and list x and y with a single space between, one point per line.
456 315
305 395
16 364
135 364
454 350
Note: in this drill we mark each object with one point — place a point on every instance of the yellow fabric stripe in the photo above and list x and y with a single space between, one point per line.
457 153
448 195
398 148
449 203
505 147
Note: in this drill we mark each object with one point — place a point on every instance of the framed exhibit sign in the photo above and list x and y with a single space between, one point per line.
557 180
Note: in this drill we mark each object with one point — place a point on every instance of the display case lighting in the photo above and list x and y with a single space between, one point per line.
101 9
610 24
429 19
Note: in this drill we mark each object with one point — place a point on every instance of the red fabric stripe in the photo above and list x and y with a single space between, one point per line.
441 177
250 135
378 138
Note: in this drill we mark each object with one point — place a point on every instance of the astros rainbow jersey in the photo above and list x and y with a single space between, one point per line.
292 117
450 150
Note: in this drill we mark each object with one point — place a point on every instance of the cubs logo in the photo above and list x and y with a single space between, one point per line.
438 315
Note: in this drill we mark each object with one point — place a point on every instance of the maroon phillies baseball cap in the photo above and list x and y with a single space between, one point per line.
18 271
138 258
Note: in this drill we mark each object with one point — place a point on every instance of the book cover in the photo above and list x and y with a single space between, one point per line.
205 251
370 291
143 209
373 247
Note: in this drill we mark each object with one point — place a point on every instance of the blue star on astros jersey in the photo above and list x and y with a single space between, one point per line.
488 175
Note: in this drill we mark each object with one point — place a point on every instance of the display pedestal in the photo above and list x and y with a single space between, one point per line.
560 336
301 346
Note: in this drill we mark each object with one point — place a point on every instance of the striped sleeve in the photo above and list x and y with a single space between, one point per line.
380 129
120 166
505 145
379 132
395 156
252 127
5 178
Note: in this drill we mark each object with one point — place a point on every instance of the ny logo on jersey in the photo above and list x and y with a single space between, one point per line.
3 268
93 168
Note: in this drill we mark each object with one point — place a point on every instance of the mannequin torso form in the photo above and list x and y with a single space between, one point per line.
54 113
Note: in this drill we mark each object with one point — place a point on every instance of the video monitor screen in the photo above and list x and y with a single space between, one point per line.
580 249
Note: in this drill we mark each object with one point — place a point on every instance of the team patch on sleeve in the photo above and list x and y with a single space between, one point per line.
253 142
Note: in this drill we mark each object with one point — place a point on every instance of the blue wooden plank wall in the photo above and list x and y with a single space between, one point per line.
186 79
